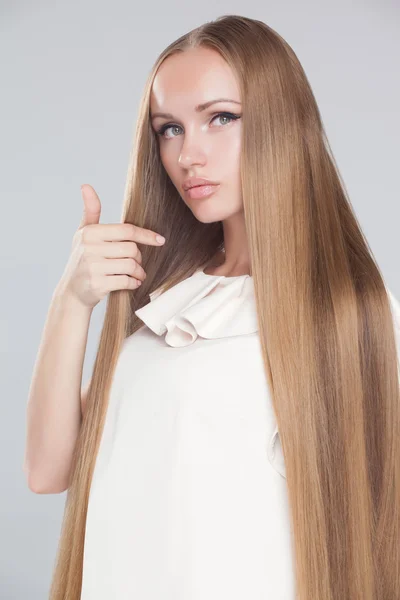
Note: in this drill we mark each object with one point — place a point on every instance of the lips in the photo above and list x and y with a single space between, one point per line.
197 181
201 191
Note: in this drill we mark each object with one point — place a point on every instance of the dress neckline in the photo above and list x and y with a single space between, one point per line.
201 271
232 277
209 306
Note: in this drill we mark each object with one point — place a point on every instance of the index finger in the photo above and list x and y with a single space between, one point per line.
120 232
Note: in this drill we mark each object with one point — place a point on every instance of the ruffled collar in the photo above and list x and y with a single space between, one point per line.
209 306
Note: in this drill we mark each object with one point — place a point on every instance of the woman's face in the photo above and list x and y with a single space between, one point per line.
200 143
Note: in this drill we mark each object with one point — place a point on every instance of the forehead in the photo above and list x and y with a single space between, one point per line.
192 77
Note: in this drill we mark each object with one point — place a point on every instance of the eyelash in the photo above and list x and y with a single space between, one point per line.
164 128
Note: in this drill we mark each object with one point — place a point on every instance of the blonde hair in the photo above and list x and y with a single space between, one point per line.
325 324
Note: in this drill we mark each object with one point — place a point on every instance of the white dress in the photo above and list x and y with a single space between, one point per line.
188 499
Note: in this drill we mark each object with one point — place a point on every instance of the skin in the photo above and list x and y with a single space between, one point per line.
201 144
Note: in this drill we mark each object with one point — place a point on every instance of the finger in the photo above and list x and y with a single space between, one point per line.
91 206
121 282
118 232
123 266
116 250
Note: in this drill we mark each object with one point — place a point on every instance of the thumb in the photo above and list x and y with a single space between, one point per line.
91 206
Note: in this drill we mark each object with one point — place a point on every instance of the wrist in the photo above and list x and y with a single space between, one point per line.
64 296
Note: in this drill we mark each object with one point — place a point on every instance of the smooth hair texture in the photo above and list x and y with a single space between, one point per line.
325 324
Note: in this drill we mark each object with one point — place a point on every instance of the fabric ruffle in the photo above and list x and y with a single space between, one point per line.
275 454
209 306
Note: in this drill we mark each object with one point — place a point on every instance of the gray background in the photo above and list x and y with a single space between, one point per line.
71 78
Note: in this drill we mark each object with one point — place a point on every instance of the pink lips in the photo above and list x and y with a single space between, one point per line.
201 191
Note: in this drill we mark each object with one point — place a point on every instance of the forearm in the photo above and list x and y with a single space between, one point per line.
54 406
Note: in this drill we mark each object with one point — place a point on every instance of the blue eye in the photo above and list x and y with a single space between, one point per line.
164 128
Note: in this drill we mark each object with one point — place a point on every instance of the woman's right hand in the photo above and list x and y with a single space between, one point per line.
104 258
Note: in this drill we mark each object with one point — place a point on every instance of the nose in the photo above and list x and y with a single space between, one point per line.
191 153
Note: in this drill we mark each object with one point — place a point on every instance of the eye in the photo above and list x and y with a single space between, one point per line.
224 115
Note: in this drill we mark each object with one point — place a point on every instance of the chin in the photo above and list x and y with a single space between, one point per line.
211 214
207 214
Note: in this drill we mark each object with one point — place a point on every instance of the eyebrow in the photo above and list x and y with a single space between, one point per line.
198 108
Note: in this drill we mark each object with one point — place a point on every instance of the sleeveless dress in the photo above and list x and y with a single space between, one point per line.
188 499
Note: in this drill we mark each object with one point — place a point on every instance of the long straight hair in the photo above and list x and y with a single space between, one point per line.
325 324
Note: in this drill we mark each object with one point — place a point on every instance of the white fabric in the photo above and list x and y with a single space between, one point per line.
188 499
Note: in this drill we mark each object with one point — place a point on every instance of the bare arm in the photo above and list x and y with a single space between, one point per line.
104 258
55 404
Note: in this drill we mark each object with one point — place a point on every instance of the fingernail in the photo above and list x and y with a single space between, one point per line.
160 239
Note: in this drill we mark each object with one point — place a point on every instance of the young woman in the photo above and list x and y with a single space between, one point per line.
240 432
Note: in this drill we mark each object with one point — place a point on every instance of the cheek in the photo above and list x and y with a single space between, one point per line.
228 148
227 161
169 162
